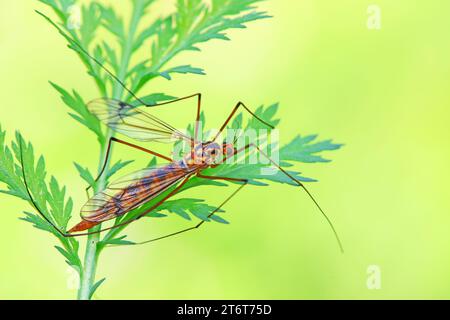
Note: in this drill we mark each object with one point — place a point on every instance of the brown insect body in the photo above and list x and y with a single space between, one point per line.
138 188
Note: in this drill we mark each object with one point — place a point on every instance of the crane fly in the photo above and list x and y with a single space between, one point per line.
134 190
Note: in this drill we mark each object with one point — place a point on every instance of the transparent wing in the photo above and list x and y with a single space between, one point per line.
133 121
131 191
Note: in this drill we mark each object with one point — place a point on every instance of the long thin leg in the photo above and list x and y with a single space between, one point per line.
68 235
233 112
33 202
197 118
199 102
244 183
119 81
108 151
301 185
109 72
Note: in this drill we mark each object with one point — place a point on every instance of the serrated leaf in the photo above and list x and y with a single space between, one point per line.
91 21
8 172
193 23
152 162
95 287
82 114
75 41
186 206
152 99
85 174
219 219
117 241
49 199
112 56
223 15
183 70
265 113
38 222
304 149
119 165
70 258
56 199
113 23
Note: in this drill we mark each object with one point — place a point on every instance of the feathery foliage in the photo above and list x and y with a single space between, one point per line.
188 28
18 163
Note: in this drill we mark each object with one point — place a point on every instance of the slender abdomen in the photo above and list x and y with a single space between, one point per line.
128 194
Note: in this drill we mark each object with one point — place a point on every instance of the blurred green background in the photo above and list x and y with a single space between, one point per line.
384 93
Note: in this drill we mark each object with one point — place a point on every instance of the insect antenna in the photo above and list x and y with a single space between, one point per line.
300 184
325 216
84 51
77 47
35 205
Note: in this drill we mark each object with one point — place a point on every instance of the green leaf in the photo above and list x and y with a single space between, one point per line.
218 219
20 165
223 15
145 35
112 56
91 15
59 7
152 162
193 23
152 99
71 258
237 122
8 171
156 215
117 241
265 113
82 114
181 69
75 40
95 287
85 174
113 23
305 149
60 208
119 165
38 222
186 206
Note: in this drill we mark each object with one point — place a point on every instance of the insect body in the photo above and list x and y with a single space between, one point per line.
116 200
140 187
134 190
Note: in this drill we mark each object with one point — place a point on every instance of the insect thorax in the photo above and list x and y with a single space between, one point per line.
203 154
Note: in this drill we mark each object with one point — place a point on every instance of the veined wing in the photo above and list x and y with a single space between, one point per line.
131 191
133 121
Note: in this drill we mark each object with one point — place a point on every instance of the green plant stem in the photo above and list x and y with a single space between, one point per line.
89 268
87 277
